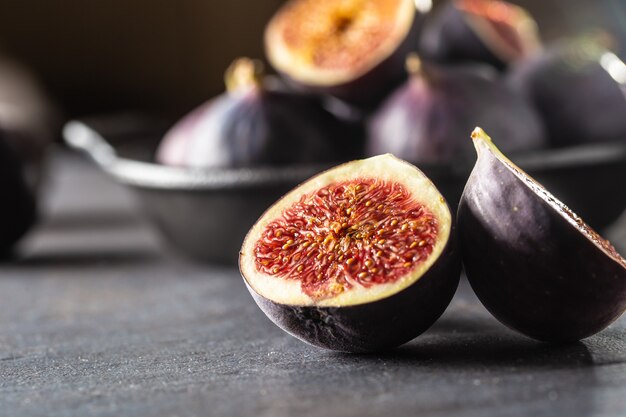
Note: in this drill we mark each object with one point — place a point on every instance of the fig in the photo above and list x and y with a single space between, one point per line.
351 49
533 263
254 123
579 89
426 120
490 31
359 258
18 210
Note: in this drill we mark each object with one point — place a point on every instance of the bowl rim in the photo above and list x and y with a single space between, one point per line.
81 136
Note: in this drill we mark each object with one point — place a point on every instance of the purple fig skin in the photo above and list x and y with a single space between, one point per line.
531 268
18 210
449 38
428 118
256 127
375 326
576 97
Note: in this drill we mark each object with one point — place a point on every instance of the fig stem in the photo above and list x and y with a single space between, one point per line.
242 74
413 64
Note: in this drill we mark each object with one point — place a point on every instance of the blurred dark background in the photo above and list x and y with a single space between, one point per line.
100 56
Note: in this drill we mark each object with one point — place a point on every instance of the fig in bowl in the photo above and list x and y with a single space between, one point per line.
426 120
256 122
489 31
578 87
350 49
533 263
359 258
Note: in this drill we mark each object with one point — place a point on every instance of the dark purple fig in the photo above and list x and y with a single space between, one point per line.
351 49
18 209
489 31
579 89
255 124
359 258
534 264
426 120
28 119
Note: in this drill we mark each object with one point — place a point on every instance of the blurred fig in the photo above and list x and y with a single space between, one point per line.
252 124
427 119
351 49
18 209
489 31
579 89
28 120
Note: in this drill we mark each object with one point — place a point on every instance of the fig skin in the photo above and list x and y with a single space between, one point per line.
18 211
454 36
256 122
531 266
426 120
577 98
371 326
363 87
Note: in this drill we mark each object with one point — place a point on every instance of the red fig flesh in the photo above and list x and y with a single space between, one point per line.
359 258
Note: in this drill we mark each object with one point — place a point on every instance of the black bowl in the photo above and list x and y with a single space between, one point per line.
205 213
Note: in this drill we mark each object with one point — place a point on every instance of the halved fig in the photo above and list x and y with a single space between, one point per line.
578 87
255 122
351 49
490 31
534 264
426 120
359 258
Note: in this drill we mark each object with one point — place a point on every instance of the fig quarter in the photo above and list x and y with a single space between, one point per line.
533 263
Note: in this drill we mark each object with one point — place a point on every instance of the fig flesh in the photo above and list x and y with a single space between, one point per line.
359 258
426 120
255 124
488 31
579 90
534 264
351 49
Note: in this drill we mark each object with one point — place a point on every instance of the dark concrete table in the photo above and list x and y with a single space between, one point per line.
98 319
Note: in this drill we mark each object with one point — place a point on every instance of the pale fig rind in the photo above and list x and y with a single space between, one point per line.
532 263
373 325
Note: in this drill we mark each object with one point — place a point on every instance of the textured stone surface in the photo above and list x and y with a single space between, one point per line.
98 319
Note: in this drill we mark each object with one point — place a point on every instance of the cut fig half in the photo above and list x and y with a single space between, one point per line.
533 263
359 258
351 49
490 31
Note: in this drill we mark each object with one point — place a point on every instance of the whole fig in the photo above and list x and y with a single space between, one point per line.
578 88
426 120
255 124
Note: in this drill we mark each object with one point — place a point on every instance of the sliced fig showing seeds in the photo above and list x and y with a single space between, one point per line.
359 258
534 264
490 31
352 49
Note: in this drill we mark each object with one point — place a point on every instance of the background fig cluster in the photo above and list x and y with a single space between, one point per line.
481 62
